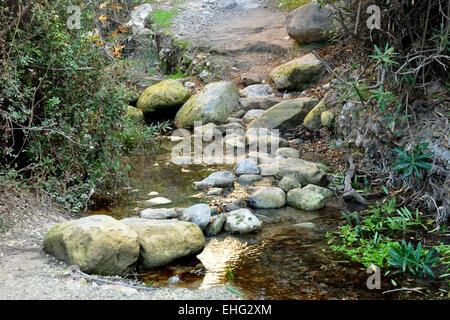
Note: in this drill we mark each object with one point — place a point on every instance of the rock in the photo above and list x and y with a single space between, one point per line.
162 213
239 114
285 115
299 74
249 104
305 226
163 241
173 280
97 244
268 198
235 205
312 120
269 102
164 95
234 144
216 225
257 91
305 172
135 114
200 214
252 115
234 120
327 119
247 179
214 191
310 23
158 201
265 143
209 129
287 184
214 103
247 166
221 179
242 221
189 85
138 19
288 153
234 128
249 80
308 198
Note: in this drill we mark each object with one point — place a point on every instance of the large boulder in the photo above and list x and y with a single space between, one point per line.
221 179
299 74
310 23
312 120
214 103
302 171
242 221
308 198
163 241
285 115
97 244
268 198
163 95
200 214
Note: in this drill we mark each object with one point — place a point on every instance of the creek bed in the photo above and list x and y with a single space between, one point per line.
288 259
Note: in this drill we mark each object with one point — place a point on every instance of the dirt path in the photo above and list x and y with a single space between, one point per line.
246 37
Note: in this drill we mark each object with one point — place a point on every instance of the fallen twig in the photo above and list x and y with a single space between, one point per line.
405 289
349 192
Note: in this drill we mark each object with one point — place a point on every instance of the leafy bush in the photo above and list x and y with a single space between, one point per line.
61 111
410 163
413 260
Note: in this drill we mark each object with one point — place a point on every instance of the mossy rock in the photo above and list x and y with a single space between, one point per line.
298 74
327 118
312 120
165 94
135 114
214 103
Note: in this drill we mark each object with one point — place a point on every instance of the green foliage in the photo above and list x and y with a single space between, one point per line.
163 18
444 251
410 163
384 59
291 4
61 111
412 260
230 274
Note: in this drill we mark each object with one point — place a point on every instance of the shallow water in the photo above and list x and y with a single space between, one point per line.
283 261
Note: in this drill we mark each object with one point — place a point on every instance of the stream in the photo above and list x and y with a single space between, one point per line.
289 259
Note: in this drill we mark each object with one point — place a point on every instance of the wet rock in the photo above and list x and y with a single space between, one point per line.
173 280
288 153
242 221
97 244
221 179
166 94
248 179
163 241
308 198
257 91
287 184
247 166
200 214
158 201
299 74
312 120
268 198
162 213
215 227
214 103
310 23
285 115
